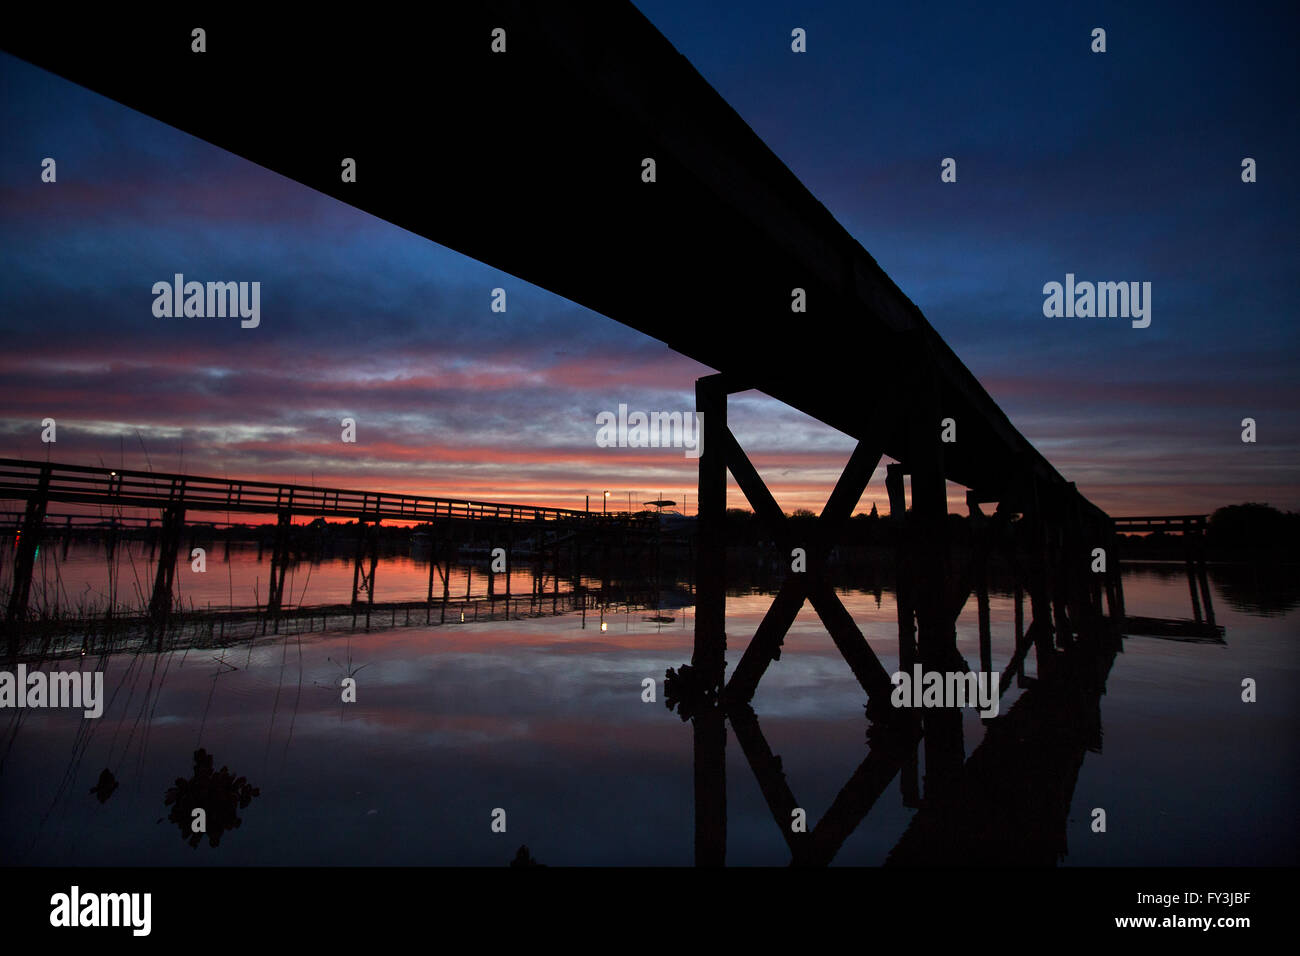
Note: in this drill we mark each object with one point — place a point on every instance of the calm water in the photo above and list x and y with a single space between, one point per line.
544 718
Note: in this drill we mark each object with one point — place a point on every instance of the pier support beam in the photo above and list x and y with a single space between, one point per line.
1040 605
29 539
980 533
894 475
363 569
935 620
1115 593
448 555
1078 559
279 563
1197 580
709 657
169 540
936 631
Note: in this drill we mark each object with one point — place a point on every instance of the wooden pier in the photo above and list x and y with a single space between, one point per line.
115 501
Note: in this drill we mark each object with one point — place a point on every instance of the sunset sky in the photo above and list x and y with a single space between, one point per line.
1121 166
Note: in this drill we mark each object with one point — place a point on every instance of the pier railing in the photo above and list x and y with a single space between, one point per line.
25 479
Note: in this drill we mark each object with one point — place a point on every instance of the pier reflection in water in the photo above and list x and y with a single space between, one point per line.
546 719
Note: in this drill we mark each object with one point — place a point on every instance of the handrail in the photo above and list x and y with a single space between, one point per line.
85 484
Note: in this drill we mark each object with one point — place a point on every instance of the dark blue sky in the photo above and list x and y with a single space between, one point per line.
1116 166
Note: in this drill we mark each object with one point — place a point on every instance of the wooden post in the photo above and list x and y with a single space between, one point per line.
25 561
279 563
433 565
1192 583
510 557
169 534
936 635
491 581
448 546
1040 605
709 656
902 563
979 554
1203 575
357 561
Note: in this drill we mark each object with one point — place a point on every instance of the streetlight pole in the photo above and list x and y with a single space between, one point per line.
604 505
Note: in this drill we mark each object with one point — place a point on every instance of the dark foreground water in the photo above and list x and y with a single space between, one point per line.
544 719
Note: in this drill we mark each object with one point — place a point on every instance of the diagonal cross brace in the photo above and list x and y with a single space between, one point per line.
766 643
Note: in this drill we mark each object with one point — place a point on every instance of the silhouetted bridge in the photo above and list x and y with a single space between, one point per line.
705 258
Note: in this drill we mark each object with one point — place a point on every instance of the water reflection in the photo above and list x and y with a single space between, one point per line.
546 719
891 748
1005 805
1269 590
104 787
1010 803
219 795
1264 589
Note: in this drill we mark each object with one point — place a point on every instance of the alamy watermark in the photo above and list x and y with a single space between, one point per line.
79 689
947 689
179 298
1102 300
75 908
651 430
